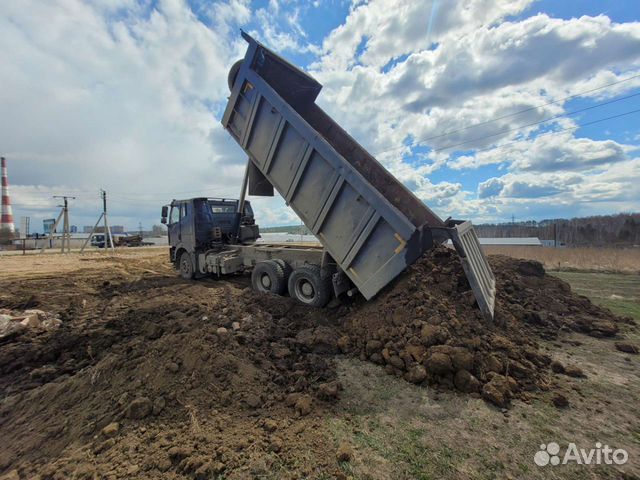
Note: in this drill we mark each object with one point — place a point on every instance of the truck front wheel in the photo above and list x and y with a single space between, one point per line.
185 266
268 277
308 286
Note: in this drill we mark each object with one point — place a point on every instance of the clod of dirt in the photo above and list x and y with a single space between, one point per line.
153 331
158 405
627 347
173 367
179 453
104 446
270 425
416 374
433 335
329 390
531 268
344 344
560 401
498 390
321 339
344 452
557 367
465 382
111 430
253 400
438 363
303 405
574 371
139 408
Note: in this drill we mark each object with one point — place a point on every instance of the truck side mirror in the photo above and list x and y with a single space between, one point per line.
163 215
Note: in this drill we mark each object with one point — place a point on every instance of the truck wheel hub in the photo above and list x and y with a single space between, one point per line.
307 289
265 281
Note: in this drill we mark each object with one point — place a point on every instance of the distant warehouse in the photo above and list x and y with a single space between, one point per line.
510 242
516 241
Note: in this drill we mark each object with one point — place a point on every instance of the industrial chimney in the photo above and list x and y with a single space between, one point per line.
7 228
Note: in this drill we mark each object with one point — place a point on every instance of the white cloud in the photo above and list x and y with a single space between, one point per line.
281 30
476 68
598 190
120 102
388 29
490 72
556 152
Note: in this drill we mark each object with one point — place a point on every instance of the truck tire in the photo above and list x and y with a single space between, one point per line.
309 286
268 277
286 268
185 266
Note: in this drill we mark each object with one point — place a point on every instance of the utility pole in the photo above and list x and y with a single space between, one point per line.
140 229
64 215
108 239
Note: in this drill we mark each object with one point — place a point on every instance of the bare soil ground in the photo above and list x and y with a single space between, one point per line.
151 376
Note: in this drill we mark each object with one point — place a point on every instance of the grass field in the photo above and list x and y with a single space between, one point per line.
610 260
618 292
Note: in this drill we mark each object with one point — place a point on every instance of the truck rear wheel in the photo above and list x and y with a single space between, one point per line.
308 286
268 277
185 266
286 268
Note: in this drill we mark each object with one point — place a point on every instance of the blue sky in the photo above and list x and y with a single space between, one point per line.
127 96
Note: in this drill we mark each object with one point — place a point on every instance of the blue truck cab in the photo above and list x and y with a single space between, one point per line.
198 225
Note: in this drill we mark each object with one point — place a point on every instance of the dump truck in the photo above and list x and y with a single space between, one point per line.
369 225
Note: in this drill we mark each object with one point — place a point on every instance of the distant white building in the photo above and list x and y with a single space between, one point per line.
509 242
515 241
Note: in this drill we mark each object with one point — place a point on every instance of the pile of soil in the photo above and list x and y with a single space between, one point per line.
428 329
153 375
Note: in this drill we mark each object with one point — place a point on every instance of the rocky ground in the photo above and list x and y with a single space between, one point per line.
145 375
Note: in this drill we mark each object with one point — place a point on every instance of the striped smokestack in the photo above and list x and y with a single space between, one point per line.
6 215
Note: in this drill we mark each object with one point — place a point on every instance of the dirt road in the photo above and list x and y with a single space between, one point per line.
151 376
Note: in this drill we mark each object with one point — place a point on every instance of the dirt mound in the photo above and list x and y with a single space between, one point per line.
427 327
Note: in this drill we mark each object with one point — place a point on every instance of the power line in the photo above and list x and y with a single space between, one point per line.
509 130
555 132
167 194
137 195
502 117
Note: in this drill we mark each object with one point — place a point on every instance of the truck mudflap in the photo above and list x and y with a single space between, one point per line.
475 264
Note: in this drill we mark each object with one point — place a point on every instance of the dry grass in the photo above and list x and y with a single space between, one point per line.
592 259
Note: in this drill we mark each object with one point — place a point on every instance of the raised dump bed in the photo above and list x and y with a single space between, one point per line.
369 222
